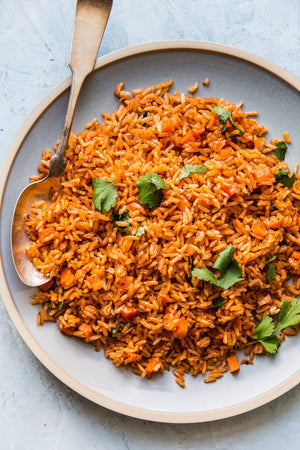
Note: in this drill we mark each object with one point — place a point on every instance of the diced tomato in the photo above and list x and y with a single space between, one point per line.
128 312
296 256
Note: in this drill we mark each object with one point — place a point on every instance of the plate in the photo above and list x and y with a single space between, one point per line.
234 75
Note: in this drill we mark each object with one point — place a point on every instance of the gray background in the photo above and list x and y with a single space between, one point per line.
36 410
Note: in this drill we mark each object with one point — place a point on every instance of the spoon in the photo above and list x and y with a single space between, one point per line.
90 21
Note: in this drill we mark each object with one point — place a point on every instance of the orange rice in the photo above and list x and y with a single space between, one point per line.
134 295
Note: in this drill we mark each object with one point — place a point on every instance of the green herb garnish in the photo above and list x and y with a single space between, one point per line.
150 188
281 149
115 330
224 115
282 177
192 168
60 305
140 231
271 273
218 302
270 269
266 329
143 114
121 221
229 268
105 194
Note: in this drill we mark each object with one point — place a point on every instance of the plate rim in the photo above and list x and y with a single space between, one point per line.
32 344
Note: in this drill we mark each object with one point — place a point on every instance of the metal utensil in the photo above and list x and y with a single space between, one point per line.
90 21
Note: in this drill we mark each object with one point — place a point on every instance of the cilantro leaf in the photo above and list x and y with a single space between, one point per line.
224 259
265 328
121 221
282 176
105 194
271 344
230 270
205 274
280 150
218 302
60 305
233 275
150 189
140 231
271 273
289 314
192 168
224 115
265 331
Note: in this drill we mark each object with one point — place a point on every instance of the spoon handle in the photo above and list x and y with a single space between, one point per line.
90 21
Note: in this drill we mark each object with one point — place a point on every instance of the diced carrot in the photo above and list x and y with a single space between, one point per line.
188 137
233 364
95 282
296 256
168 126
152 366
181 328
226 152
127 283
229 189
86 329
67 278
263 176
128 312
228 173
183 204
198 130
66 330
273 222
164 295
46 235
259 229
46 286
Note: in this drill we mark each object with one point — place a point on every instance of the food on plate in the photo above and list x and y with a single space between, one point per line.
174 241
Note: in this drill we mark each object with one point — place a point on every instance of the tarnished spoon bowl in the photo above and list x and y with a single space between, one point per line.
90 21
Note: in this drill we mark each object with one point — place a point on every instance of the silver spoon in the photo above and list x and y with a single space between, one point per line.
90 21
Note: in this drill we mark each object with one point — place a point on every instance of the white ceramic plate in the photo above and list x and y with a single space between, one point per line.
235 75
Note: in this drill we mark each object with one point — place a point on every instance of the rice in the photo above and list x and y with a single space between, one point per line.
170 319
